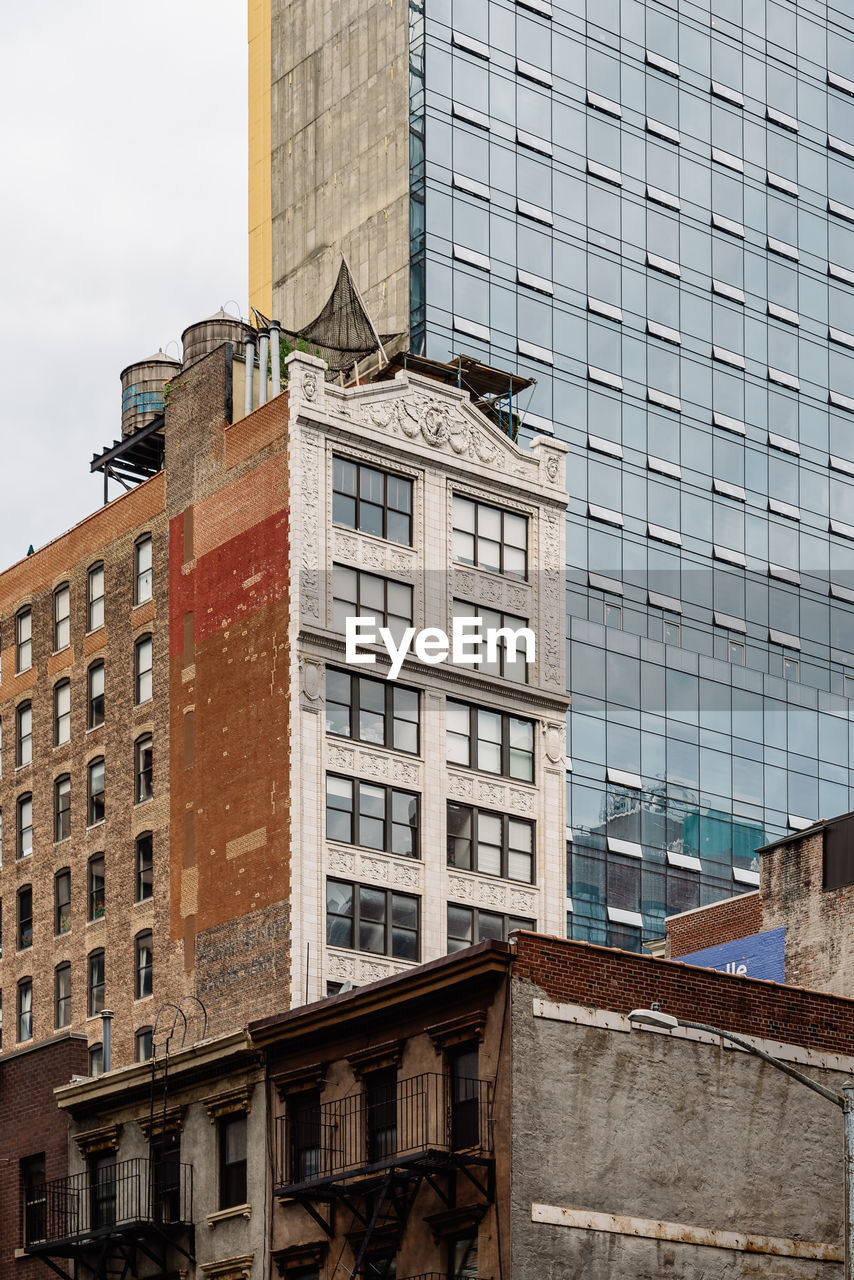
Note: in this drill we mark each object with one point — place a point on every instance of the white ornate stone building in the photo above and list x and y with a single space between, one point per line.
429 811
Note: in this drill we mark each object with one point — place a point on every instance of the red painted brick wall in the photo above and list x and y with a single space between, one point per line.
707 927
31 1123
578 973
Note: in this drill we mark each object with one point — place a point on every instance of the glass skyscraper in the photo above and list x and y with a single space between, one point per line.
648 207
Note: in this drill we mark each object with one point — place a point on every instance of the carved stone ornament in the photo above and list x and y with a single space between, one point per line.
373 765
311 679
524 903
234 1102
104 1139
440 425
491 895
490 792
340 968
239 1268
346 548
404 877
459 887
341 757
376 868
552 466
521 801
460 787
341 862
309 385
309 534
403 771
368 972
553 738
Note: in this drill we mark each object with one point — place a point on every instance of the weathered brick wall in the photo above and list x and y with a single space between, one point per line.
819 933
578 973
708 926
31 1124
108 536
227 497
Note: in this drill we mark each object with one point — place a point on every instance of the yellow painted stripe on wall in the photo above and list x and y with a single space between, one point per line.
260 158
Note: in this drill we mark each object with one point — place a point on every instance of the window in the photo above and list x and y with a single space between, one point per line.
142 667
614 615
103 1183
489 537
144 875
25 917
95 776
33 1179
143 965
381 1114
95 988
62 808
24 640
62 901
232 1160
96 1059
95 895
61 713
463 1258
305 1150
791 669
62 996
356 594
96 695
509 658
61 617
735 650
95 598
838 855
465 1127
671 632
371 815
143 752
372 501
489 740
374 920
376 711
166 1168
25 1010
468 925
142 570
143 1045
24 717
492 843
25 826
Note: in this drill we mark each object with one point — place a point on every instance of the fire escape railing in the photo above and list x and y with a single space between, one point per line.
429 1112
107 1199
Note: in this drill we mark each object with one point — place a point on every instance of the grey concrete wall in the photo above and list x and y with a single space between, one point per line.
670 1130
340 155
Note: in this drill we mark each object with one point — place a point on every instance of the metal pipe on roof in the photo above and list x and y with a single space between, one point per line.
263 351
250 370
275 357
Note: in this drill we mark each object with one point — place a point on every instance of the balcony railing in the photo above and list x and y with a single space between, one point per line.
106 1199
351 1135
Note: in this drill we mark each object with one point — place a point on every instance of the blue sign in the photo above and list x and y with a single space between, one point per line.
759 955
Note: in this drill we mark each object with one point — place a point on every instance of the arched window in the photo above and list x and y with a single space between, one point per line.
62 901
95 985
25 825
62 995
143 759
95 802
25 917
95 598
95 712
95 888
143 965
143 686
24 640
144 877
24 722
62 808
61 617
143 1049
142 569
25 1010
61 713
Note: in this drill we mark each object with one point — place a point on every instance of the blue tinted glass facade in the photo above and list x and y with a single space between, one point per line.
649 208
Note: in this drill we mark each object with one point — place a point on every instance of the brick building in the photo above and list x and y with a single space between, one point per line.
202 798
404 1132
803 908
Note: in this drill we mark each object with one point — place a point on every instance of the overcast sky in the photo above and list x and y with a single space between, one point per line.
122 220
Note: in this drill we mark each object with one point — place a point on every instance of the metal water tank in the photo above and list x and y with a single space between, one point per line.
142 389
203 337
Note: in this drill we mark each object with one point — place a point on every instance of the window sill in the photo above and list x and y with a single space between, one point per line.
235 1211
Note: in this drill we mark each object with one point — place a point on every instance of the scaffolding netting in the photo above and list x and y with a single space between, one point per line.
342 333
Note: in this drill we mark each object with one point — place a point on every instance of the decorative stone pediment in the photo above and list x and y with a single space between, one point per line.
98 1140
170 1121
233 1102
239 1268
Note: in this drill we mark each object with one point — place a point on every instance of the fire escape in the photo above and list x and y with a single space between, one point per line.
370 1154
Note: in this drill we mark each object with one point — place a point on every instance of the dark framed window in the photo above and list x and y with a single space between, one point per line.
62 808
372 501
465 1096
508 660
381 1114
838 855
24 808
232 1160
62 901
143 758
143 967
143 578
366 595
166 1168
376 711
95 716
25 917
95 888
61 617
95 983
103 1181
372 815
62 996
493 741
463 1258
376 920
468 925
95 598
305 1151
34 1191
95 802
61 713
24 640
144 872
25 1010
96 1059
490 537
142 663
24 723
143 1045
494 844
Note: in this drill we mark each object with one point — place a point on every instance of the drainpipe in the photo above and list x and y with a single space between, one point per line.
107 1040
250 370
275 364
263 345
